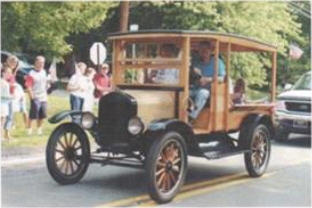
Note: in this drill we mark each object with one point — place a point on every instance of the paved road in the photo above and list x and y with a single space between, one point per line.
221 182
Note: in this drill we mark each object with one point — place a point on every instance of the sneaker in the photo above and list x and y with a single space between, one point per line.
29 131
39 131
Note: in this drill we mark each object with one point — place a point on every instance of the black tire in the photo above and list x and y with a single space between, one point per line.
73 153
166 166
257 160
281 135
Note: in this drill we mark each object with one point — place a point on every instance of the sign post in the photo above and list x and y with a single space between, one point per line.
98 54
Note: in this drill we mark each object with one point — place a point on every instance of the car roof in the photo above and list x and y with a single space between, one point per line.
224 37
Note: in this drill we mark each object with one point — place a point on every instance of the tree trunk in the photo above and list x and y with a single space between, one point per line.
124 16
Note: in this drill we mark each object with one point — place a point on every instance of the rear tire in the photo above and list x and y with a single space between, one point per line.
166 166
257 160
68 154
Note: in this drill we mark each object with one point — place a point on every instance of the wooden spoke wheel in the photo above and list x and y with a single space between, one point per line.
166 166
67 153
257 159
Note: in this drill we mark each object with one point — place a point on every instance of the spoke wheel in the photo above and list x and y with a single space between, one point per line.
68 153
260 147
166 166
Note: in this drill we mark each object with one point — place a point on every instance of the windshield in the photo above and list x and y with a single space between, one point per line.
304 83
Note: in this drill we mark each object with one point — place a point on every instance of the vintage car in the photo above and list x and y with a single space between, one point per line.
293 109
144 122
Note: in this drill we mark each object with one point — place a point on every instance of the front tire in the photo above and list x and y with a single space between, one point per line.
68 153
166 166
257 160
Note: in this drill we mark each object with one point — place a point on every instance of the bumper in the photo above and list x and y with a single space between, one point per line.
293 123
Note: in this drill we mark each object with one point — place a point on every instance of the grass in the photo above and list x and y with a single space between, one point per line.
60 103
21 139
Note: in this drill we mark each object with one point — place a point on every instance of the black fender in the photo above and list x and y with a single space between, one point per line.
249 123
160 126
63 114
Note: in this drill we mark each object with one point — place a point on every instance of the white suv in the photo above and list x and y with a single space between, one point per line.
293 109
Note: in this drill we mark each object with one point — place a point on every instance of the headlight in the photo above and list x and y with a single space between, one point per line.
87 120
135 126
280 105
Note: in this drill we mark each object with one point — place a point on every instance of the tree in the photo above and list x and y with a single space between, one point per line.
42 27
271 22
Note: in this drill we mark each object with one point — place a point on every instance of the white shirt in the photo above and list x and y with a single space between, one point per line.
81 81
40 86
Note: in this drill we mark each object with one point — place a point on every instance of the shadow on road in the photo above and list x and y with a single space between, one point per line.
301 141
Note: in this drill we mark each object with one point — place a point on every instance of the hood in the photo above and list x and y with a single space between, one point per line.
299 95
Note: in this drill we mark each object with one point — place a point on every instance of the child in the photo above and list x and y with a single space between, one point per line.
19 102
238 96
6 98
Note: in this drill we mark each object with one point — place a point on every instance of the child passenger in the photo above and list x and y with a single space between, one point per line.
238 96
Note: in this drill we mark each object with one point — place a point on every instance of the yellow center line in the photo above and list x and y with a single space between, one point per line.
193 189
145 200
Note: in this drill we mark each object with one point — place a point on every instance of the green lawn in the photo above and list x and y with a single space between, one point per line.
55 104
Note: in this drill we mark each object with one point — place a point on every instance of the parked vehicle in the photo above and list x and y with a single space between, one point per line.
24 66
293 109
144 124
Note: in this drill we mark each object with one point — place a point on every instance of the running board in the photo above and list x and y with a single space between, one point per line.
220 154
216 149
119 162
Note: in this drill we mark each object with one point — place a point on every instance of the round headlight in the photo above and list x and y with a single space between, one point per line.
135 126
87 120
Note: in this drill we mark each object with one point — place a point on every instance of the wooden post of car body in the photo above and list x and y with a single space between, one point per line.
227 93
184 78
214 88
116 63
273 77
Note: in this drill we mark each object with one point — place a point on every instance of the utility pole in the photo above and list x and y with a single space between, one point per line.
124 16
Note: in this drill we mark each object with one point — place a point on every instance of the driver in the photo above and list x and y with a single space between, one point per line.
200 92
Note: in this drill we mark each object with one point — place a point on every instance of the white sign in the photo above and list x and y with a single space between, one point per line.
134 27
98 53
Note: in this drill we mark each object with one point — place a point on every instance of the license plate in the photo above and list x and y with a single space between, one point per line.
300 124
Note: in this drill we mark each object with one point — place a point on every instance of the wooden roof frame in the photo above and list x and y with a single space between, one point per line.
239 43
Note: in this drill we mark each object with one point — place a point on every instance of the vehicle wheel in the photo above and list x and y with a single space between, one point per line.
166 166
68 153
281 136
257 160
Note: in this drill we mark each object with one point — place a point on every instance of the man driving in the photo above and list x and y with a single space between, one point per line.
200 91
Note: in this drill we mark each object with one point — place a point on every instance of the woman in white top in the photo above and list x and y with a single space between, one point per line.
77 87
89 94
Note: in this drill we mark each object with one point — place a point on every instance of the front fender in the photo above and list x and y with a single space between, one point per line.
62 115
164 125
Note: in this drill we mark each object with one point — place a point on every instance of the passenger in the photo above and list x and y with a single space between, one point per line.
238 96
167 76
201 92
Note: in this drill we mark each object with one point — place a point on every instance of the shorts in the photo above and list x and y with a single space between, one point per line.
38 109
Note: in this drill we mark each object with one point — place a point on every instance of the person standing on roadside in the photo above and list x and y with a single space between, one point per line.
37 84
77 87
12 66
102 81
89 95
6 97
